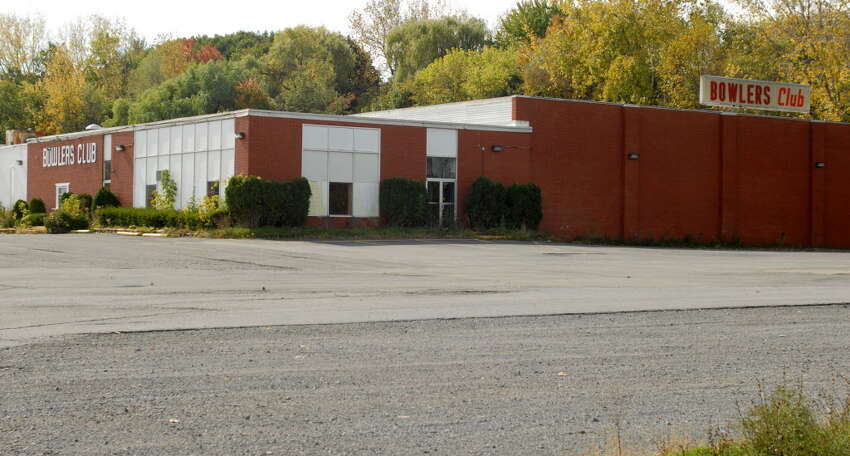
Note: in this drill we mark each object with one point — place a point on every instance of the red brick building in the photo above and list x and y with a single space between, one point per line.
605 170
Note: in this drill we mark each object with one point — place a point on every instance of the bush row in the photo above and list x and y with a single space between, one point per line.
254 202
404 202
490 205
62 222
149 217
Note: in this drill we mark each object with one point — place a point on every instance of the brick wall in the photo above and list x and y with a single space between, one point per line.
701 175
83 177
122 168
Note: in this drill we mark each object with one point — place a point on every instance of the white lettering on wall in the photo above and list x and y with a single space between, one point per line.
68 155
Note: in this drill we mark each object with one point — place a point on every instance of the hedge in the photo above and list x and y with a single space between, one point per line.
404 202
486 204
34 219
37 206
253 201
105 198
62 222
524 206
148 217
20 209
490 205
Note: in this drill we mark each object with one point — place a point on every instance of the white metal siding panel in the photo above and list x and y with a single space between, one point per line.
495 111
441 143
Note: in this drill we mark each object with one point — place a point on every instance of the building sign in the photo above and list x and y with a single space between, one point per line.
745 93
68 155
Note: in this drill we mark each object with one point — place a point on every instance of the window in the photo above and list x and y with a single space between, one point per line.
61 189
339 198
107 172
212 188
441 168
149 191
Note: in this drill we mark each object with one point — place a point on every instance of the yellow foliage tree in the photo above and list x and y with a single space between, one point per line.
61 93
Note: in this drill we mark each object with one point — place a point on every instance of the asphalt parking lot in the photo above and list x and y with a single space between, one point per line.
71 284
114 345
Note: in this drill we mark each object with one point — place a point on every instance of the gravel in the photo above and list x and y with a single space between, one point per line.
546 385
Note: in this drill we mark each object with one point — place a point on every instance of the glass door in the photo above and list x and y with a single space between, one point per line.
441 201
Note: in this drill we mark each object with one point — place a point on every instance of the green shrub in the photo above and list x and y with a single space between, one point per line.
787 423
7 218
256 202
486 204
105 198
20 210
62 222
148 217
165 196
34 219
404 202
524 206
37 206
75 204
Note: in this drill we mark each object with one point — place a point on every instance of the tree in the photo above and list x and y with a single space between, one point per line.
413 45
316 70
202 89
62 93
13 114
235 46
527 21
22 41
804 41
372 25
468 75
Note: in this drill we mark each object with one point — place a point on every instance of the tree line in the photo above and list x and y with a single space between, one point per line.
403 53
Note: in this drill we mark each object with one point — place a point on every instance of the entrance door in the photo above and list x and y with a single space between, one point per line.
441 201
61 189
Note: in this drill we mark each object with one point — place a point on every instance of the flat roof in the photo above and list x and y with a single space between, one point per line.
284 115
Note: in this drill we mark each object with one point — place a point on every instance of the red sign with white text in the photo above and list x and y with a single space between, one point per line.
745 93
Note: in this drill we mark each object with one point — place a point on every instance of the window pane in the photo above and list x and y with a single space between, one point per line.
107 170
339 198
212 188
149 189
448 192
433 192
448 214
441 167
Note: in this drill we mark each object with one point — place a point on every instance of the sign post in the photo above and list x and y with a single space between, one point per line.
752 94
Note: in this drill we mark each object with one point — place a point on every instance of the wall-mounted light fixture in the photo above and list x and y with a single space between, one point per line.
820 165
120 148
633 156
239 135
497 148
19 162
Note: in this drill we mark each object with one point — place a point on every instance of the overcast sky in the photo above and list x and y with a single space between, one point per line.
151 18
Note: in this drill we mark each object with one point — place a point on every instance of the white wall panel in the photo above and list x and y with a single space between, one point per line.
151 167
13 177
107 148
139 179
187 182
441 142
214 135
341 139
317 199
201 136
214 165
366 168
188 138
162 162
340 167
164 136
228 167
175 168
200 175
367 140
228 130
140 141
314 137
366 201
314 165
176 134
153 143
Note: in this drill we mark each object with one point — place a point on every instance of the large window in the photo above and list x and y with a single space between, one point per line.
442 167
339 196
343 166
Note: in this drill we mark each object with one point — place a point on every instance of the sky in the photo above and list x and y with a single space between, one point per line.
180 18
